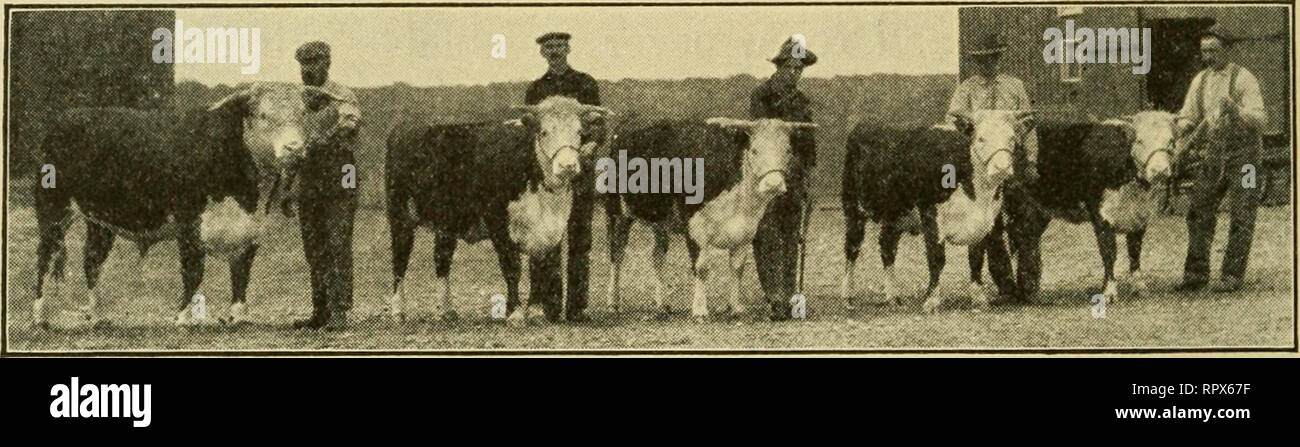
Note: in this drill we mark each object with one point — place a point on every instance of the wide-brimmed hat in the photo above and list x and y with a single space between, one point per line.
793 49
987 45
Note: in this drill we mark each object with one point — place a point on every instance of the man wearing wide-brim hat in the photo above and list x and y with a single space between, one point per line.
1226 97
778 240
988 89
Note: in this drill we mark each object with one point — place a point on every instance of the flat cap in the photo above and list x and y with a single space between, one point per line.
553 36
312 50
1217 31
790 50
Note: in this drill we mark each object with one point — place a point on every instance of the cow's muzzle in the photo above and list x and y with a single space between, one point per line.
1158 166
771 182
998 165
564 163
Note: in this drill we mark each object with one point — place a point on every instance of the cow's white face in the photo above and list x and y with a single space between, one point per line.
994 137
767 158
556 126
1153 148
276 122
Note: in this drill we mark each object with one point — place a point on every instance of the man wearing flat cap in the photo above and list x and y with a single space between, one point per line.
779 240
1226 98
988 89
326 208
544 272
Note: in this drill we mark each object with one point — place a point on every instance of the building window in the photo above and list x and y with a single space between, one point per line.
1071 71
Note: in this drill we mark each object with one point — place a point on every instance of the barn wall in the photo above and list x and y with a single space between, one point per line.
1112 89
62 59
1104 89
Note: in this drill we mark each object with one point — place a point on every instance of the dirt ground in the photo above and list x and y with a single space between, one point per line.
139 301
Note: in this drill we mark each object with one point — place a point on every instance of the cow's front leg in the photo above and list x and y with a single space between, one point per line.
699 297
1137 281
444 249
934 256
507 259
617 231
189 245
889 235
240 269
659 258
99 243
737 265
1106 245
854 233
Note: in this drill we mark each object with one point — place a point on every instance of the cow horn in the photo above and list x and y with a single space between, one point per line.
962 115
800 125
1022 114
729 123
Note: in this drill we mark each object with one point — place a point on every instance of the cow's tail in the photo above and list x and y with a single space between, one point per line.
854 217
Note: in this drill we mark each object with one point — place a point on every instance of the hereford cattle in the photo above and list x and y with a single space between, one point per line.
951 176
508 182
741 178
1102 173
196 176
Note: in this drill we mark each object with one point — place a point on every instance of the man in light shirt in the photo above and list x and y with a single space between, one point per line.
1223 117
989 90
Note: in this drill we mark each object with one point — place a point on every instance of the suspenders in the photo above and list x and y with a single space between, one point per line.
1200 88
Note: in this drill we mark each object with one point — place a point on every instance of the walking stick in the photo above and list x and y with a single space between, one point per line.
805 209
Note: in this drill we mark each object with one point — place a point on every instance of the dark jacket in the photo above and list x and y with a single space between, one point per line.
572 83
768 101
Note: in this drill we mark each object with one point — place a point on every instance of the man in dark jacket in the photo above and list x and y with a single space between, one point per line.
544 276
779 239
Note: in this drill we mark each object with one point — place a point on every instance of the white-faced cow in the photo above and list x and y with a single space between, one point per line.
720 229
890 173
508 182
1101 173
196 176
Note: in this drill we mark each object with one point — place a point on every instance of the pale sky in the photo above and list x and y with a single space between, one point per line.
453 46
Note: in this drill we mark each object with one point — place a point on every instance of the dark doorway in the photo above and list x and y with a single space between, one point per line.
1175 59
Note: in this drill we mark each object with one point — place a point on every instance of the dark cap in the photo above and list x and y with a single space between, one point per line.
989 44
553 36
789 50
312 50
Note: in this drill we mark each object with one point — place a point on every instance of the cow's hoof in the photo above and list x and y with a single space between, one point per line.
41 325
700 318
614 309
448 316
898 301
931 305
183 319
238 314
